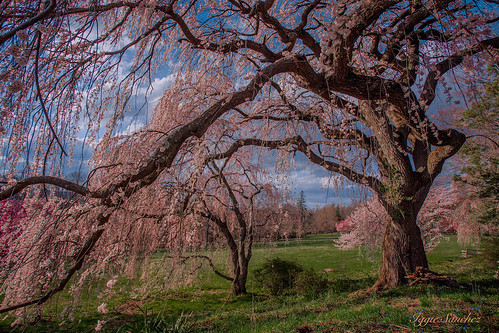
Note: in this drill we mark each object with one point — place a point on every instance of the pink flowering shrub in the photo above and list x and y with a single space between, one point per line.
366 225
344 225
12 213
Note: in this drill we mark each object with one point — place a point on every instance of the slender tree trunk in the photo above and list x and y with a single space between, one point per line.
239 284
402 247
240 273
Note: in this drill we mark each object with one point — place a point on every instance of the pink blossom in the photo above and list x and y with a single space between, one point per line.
98 328
43 29
23 35
22 60
103 308
111 283
5 76
14 50
15 86
344 226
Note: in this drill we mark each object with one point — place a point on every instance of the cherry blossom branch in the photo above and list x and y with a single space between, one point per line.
160 159
79 260
171 144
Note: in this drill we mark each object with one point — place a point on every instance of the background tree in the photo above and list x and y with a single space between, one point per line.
303 223
481 152
347 83
227 200
323 220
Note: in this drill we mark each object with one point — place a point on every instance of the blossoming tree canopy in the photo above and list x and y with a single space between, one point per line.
346 83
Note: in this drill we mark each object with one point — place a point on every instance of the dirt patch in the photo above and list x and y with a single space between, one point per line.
409 304
131 307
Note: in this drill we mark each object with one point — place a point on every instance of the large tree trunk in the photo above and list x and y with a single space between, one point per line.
403 251
402 247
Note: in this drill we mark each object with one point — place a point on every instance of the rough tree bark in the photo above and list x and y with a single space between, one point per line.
402 246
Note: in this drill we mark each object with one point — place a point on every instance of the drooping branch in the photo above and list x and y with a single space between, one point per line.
210 262
162 158
167 150
78 263
39 93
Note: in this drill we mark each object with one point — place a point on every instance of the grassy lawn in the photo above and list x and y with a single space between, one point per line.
204 304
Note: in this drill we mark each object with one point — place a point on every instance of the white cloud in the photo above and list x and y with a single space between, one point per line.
132 128
156 89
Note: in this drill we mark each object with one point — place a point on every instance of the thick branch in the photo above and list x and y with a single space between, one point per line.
59 182
365 15
436 159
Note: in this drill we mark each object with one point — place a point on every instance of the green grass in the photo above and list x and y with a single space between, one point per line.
208 307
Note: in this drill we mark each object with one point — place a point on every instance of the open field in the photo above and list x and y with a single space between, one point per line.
206 306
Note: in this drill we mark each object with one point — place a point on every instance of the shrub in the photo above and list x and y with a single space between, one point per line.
490 251
278 275
310 282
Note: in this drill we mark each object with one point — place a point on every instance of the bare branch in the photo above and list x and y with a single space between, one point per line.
39 93
210 262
